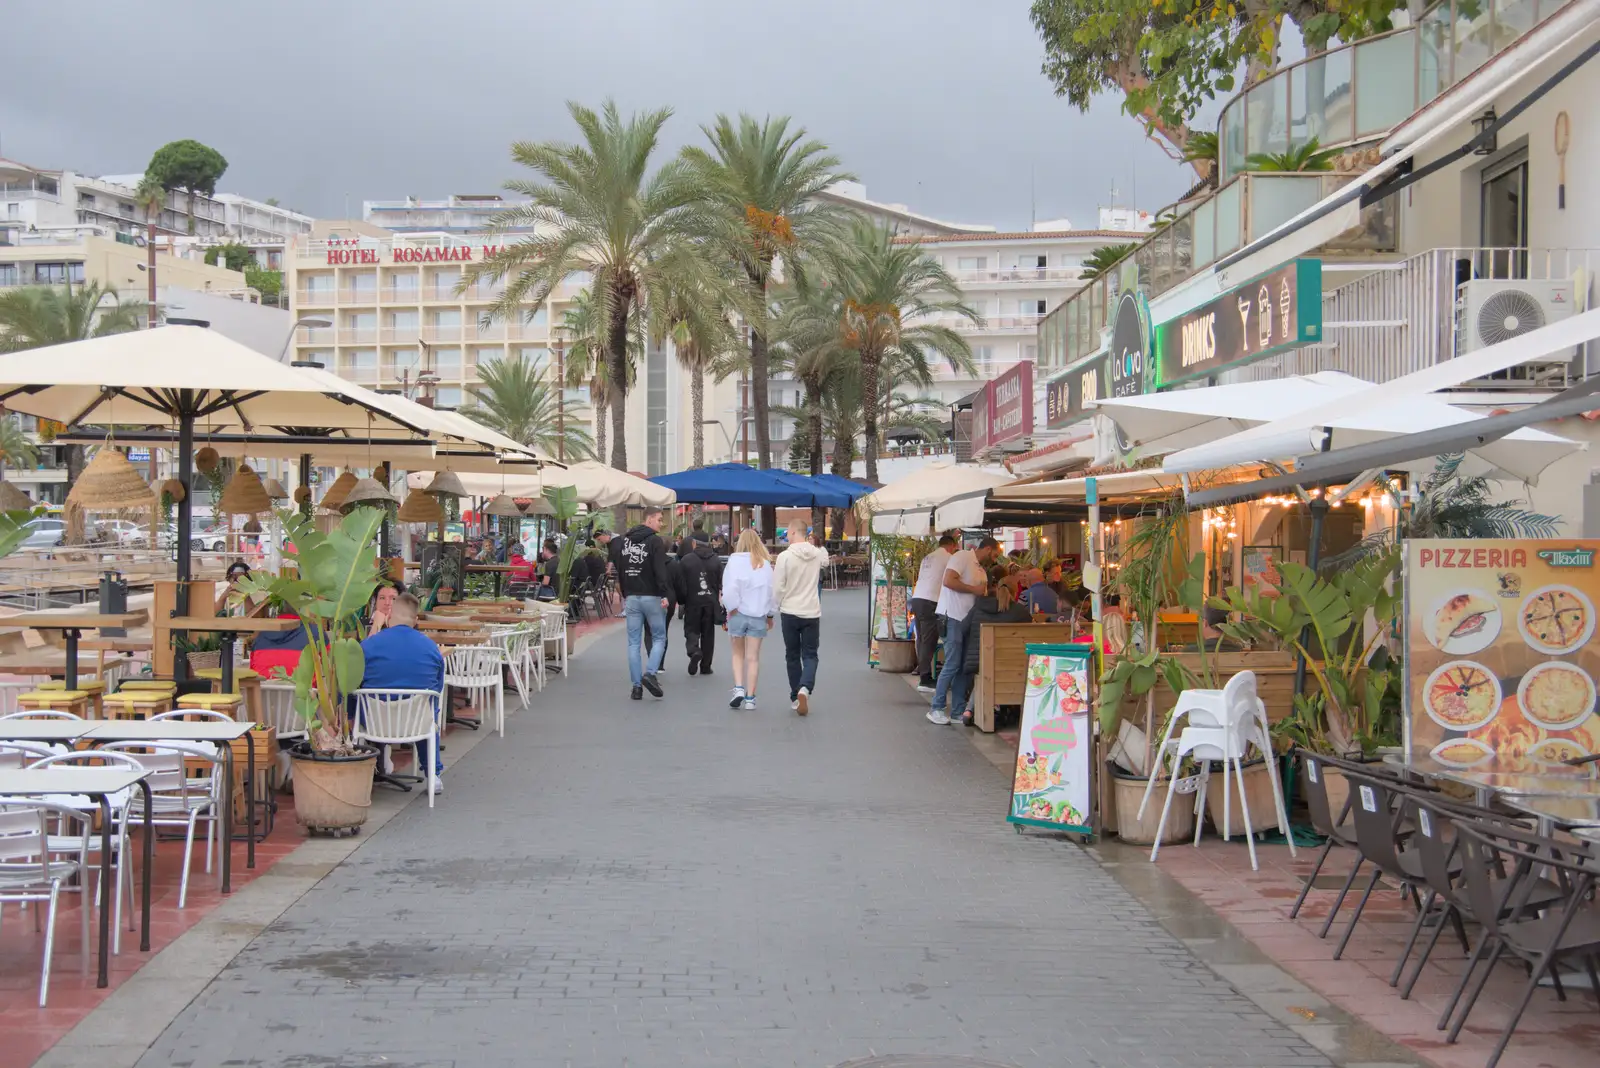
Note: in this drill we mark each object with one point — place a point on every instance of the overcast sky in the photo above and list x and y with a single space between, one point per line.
937 104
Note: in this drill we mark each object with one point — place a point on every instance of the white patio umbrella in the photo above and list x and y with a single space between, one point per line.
1299 410
596 484
906 506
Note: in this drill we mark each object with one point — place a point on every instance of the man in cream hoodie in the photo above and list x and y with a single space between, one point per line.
797 579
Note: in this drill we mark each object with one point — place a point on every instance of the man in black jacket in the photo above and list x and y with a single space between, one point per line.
640 557
699 593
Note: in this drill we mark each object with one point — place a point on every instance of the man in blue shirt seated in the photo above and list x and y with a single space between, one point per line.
401 657
1041 596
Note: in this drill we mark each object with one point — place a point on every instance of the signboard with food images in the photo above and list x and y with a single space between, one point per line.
1500 660
1051 785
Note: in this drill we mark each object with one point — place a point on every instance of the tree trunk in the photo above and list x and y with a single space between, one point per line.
697 393
617 344
150 267
75 463
869 391
600 407
814 449
843 461
759 395
191 213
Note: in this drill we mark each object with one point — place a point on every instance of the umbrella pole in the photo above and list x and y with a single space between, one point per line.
185 518
1319 509
305 480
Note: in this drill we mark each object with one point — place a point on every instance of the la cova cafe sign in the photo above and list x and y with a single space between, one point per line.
341 257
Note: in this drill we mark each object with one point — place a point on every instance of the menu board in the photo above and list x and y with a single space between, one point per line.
1051 785
1501 658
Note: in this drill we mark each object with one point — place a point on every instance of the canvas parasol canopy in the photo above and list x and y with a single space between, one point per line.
595 484
906 506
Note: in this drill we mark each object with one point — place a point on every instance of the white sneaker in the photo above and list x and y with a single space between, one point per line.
738 697
936 716
794 705
802 702
438 786
749 704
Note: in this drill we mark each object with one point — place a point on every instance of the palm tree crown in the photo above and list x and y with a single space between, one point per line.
597 208
36 316
517 400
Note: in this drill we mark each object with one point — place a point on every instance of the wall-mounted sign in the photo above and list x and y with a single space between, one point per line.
1070 397
1130 345
407 254
1277 311
1011 404
982 419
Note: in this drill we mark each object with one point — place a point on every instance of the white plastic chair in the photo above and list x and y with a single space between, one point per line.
475 670
278 712
42 713
86 842
402 717
178 799
555 634
1220 725
29 876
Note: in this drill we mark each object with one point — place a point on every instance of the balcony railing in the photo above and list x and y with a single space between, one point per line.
1019 275
314 298
435 332
1409 315
358 335
1362 90
400 335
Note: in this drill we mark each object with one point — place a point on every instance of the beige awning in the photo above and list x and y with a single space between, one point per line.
906 506
595 483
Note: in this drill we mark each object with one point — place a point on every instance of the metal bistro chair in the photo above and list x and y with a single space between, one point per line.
475 670
179 797
27 874
14 756
279 713
43 713
403 717
1562 931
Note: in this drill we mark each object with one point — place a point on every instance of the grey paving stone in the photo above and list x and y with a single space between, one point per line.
668 883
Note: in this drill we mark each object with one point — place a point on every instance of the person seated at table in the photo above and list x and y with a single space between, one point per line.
381 606
277 654
1041 594
522 569
236 571
401 657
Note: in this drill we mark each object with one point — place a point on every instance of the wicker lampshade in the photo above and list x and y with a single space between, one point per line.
302 495
539 506
503 505
174 490
244 494
275 490
110 482
421 507
380 474
446 484
206 460
333 500
365 491
253 527
13 499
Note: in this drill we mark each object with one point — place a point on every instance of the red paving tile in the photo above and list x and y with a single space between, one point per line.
1550 1035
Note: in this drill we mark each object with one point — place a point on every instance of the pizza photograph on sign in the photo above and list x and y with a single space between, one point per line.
1501 660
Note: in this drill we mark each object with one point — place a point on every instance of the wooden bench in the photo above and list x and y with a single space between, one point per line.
1003 664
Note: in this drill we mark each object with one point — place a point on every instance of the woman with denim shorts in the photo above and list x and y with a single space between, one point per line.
751 600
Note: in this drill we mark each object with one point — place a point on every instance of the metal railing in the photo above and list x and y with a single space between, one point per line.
1406 316
1021 275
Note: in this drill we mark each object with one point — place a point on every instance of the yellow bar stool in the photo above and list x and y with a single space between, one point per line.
93 687
147 684
138 704
245 682
226 703
73 702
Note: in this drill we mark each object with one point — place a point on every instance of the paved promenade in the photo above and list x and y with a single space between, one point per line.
671 883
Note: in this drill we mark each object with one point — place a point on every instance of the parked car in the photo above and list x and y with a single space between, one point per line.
124 532
44 533
201 539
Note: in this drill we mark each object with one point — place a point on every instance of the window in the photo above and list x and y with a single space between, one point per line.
1504 203
448 397
445 318
1030 307
366 282
13 211
404 282
319 284
447 362
982 354
55 274
1030 352
537 356
8 274
85 200
972 263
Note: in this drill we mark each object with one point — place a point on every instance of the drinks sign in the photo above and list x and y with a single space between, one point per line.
1277 311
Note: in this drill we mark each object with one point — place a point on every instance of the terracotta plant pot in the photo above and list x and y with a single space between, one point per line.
332 793
897 656
1257 788
1128 791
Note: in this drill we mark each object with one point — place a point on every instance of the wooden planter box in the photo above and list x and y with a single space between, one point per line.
1257 788
1274 684
1003 664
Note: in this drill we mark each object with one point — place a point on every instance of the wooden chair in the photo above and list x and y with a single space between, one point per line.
72 702
138 704
229 704
93 687
246 683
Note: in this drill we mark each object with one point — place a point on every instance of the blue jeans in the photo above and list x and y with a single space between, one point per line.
641 611
953 678
800 636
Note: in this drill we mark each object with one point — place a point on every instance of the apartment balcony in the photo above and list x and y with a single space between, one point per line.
484 294
400 335
1020 276
36 190
1360 91
358 297
357 335
321 336
1410 315
366 374
991 324
314 298
437 333
399 295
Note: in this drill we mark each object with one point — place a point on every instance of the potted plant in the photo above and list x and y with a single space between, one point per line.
1354 706
564 499
337 574
901 558
202 650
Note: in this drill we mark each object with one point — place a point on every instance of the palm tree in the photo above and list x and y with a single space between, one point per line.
518 401
38 316
1104 258
15 447
595 208
698 323
764 179
806 344
587 358
1201 150
1310 156
892 296
151 196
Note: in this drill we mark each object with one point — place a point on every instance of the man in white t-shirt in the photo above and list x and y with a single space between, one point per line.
964 581
924 608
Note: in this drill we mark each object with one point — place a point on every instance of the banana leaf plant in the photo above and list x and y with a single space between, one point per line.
14 529
1358 683
564 499
337 574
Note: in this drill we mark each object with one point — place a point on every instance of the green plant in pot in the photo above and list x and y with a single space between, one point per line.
564 499
1354 707
901 557
201 649
337 574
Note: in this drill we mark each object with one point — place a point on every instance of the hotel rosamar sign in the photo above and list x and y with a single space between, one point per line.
1277 311
408 254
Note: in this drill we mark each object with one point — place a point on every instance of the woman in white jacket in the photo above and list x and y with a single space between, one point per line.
751 599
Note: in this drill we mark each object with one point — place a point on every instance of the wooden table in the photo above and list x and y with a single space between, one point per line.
118 645
219 734
436 623
97 784
500 571
72 625
230 627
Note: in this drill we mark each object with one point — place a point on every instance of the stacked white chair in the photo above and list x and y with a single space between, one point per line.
512 641
1219 725
178 798
28 875
475 670
278 712
555 638
402 717
81 843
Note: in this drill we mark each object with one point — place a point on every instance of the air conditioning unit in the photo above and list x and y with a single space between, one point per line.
1489 311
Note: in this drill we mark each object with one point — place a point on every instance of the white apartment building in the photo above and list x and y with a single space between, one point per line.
459 213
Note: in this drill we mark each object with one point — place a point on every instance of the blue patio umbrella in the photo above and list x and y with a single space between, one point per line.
852 488
737 484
